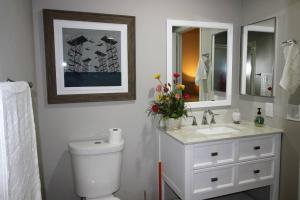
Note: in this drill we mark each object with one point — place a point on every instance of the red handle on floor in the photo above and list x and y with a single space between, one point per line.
159 180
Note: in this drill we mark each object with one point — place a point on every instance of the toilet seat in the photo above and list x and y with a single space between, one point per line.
104 198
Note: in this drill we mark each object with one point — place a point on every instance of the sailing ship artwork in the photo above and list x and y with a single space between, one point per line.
92 58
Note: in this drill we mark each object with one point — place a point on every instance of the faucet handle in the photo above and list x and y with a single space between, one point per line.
194 121
213 121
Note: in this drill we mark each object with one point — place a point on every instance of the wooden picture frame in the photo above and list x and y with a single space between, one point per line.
90 57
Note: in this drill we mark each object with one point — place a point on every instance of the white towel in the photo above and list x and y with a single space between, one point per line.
290 79
19 173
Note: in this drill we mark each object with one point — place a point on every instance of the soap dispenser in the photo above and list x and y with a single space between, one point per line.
259 120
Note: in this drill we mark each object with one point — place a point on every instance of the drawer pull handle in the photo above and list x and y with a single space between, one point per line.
256 171
214 154
256 148
214 179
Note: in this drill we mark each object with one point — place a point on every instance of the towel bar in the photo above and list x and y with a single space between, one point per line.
288 42
29 83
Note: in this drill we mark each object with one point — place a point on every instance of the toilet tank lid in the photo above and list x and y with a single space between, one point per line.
93 147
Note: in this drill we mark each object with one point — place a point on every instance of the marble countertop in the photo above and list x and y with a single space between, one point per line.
189 135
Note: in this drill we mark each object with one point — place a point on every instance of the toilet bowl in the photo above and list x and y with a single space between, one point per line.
96 168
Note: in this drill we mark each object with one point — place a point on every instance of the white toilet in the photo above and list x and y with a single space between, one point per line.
96 168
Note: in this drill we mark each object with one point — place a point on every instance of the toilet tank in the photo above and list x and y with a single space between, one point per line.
96 167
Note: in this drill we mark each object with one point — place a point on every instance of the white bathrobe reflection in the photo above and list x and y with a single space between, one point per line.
202 78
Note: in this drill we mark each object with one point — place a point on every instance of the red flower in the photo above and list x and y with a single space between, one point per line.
166 89
155 108
177 96
176 74
186 96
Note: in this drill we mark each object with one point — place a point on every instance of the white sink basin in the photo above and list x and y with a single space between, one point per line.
217 130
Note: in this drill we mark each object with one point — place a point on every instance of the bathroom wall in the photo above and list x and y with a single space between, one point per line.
288 27
60 124
16 40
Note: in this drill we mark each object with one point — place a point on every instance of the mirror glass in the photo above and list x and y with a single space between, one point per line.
258 58
201 53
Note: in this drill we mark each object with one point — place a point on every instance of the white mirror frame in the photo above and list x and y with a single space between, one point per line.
226 26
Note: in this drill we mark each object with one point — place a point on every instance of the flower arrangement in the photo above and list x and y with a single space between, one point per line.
169 99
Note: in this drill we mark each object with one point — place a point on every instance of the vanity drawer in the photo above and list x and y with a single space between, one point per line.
255 171
213 179
258 147
213 154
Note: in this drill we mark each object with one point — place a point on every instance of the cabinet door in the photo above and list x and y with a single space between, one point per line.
258 147
213 154
213 179
255 171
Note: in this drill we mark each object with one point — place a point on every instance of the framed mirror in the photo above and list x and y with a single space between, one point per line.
258 58
202 53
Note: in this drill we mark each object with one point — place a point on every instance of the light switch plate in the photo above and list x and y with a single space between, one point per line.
269 110
293 113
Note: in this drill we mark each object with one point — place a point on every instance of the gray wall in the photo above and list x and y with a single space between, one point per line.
288 27
60 124
16 40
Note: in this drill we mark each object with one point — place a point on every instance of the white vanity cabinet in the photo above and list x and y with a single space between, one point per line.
203 170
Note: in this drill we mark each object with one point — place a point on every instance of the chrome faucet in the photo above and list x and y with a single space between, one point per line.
204 118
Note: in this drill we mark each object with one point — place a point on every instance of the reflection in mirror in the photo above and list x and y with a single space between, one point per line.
200 55
258 57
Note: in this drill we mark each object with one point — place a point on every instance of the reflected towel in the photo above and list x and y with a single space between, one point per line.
266 84
290 79
201 79
19 173
202 69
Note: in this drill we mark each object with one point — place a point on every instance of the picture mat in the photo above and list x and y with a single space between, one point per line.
59 56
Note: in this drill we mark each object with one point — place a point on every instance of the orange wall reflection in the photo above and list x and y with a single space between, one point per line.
190 58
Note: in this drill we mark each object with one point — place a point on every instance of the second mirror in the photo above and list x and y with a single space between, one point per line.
258 58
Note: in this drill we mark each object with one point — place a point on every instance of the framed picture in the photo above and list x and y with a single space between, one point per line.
89 57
